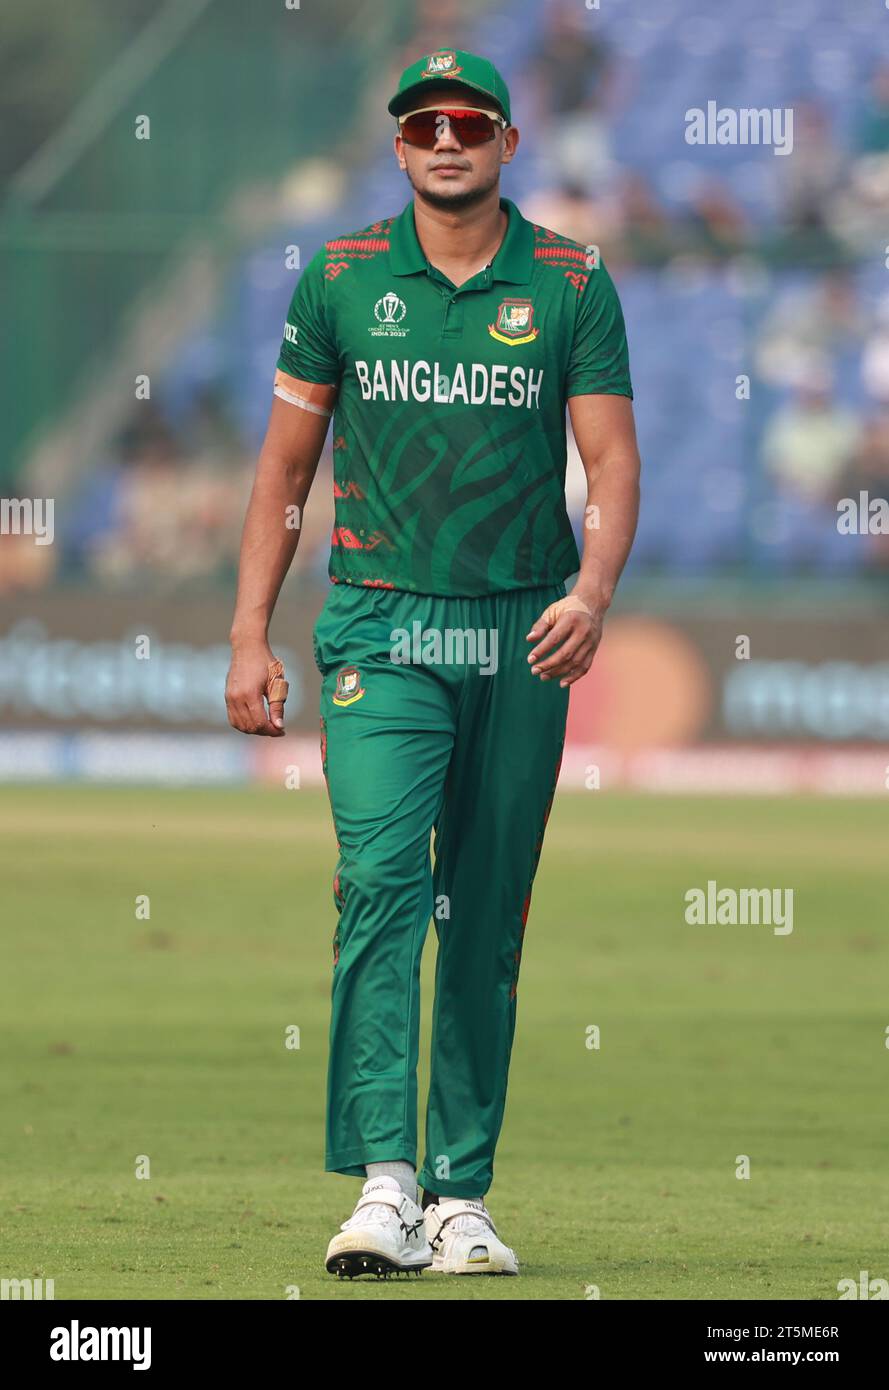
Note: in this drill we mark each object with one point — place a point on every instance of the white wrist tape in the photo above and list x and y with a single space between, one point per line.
569 604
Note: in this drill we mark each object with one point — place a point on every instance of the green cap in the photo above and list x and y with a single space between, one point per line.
452 64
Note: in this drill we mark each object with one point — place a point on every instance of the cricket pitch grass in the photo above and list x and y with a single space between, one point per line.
126 1039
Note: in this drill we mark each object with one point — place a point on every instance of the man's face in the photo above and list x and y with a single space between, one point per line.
450 175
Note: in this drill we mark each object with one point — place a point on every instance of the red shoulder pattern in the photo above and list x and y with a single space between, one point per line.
561 252
363 245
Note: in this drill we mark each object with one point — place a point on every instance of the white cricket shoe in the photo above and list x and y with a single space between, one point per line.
464 1239
385 1234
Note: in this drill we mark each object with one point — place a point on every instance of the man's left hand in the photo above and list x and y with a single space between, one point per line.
571 632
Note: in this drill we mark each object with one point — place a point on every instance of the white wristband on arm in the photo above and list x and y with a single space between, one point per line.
303 404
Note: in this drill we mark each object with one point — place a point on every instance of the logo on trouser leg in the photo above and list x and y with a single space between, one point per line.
348 686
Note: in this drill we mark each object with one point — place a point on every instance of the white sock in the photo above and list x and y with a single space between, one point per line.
400 1170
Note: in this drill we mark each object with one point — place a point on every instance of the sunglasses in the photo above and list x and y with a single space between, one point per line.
469 124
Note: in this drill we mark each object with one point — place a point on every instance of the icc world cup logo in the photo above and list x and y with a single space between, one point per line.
390 309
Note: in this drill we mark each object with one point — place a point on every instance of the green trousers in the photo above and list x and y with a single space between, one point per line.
430 721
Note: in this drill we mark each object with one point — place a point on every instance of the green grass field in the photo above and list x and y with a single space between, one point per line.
616 1168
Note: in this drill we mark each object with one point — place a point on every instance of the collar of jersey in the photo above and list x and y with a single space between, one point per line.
514 261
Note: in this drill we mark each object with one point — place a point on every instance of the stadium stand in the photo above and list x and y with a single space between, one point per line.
748 277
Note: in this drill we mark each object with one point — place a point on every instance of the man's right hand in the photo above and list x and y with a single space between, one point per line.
245 691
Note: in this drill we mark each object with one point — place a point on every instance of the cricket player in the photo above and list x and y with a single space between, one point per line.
446 343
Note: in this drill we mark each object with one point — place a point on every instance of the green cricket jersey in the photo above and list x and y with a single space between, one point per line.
449 439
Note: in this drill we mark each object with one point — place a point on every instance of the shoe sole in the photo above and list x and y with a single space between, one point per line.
471 1267
351 1264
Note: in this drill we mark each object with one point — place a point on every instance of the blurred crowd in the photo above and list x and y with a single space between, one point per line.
163 512
164 509
827 200
825 349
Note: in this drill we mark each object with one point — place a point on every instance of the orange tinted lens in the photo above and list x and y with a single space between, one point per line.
420 129
424 128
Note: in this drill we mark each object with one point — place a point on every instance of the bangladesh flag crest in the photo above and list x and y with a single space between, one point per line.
442 64
514 322
348 686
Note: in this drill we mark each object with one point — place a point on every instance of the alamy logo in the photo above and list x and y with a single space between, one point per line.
76 1343
863 1287
27 1290
863 516
730 125
730 906
452 646
28 516
389 312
